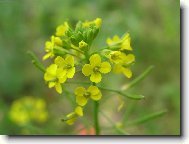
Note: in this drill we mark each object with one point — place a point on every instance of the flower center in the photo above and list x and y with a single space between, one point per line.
68 66
87 94
96 69
115 56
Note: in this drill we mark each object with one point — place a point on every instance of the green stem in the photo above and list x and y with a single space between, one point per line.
77 50
135 97
119 130
107 47
139 78
96 119
147 117
36 61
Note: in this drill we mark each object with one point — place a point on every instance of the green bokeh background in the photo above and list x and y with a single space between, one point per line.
154 27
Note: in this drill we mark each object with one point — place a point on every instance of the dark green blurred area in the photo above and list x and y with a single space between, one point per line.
154 27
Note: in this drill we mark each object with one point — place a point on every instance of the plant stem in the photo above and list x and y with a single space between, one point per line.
96 122
139 78
36 61
135 97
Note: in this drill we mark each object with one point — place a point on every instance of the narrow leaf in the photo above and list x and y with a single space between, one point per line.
147 117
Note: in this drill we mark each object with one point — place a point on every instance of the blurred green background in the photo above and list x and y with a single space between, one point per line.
154 27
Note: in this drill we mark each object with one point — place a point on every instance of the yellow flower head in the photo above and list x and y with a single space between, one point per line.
71 117
123 43
55 76
95 68
61 29
82 94
115 40
28 109
83 44
117 57
126 42
50 45
97 22
66 65
124 67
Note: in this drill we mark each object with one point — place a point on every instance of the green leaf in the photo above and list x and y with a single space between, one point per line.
134 96
147 117
36 61
139 78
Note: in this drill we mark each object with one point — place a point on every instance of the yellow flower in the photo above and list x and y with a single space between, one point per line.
115 40
82 95
55 76
95 68
50 45
67 65
97 22
28 109
61 30
116 57
124 67
82 44
71 117
123 43
126 42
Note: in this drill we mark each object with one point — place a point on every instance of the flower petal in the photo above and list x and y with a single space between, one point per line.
95 60
105 67
71 72
71 118
81 100
49 77
58 88
127 72
97 96
62 79
87 69
47 56
126 42
70 60
52 69
130 58
79 111
60 61
93 90
51 84
79 91
117 68
96 77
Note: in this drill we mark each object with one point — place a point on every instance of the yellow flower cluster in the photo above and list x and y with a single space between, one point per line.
117 55
58 72
71 53
28 109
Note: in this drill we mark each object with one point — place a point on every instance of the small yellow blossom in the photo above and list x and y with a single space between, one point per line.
95 68
82 94
125 66
83 44
71 117
55 76
97 22
116 57
28 109
123 43
61 30
67 65
50 45
126 42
